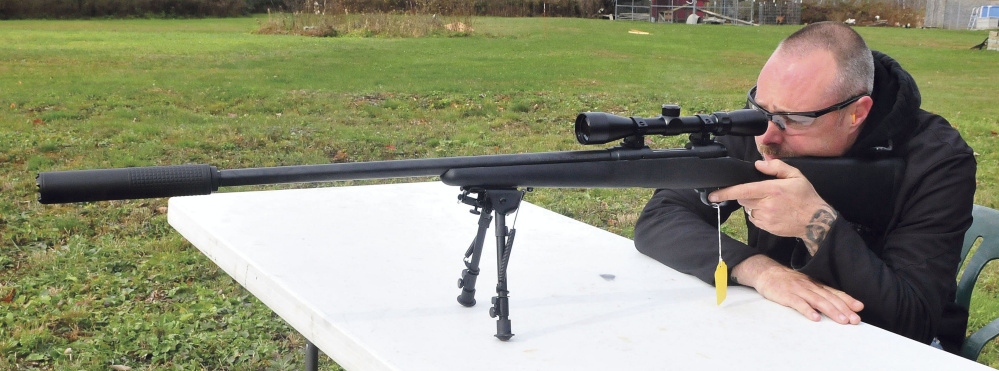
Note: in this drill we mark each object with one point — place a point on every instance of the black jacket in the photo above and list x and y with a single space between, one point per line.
903 269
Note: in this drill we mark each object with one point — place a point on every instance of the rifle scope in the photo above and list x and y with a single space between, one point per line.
600 127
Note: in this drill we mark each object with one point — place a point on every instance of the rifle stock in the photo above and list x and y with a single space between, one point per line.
859 189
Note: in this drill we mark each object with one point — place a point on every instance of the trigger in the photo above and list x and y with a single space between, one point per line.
704 198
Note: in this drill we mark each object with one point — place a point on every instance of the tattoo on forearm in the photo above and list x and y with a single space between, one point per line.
818 228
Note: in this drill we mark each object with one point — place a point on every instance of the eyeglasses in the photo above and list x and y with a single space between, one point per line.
797 120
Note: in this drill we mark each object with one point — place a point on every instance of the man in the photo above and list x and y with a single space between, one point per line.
828 95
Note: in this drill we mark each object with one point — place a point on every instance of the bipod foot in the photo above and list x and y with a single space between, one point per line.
501 309
467 285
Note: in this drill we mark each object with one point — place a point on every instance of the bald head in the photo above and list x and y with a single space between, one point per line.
855 65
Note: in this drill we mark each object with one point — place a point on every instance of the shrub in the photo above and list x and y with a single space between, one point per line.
12 9
335 17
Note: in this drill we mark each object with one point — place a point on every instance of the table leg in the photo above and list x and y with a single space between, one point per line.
311 356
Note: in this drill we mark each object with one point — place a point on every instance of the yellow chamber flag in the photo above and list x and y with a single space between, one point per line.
721 281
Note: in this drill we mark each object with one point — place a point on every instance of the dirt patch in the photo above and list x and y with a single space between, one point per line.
866 13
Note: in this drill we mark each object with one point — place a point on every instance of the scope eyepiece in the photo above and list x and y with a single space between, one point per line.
600 127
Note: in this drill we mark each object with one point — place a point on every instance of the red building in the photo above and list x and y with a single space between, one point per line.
675 11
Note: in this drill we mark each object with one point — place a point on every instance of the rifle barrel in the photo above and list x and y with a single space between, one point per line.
396 168
190 180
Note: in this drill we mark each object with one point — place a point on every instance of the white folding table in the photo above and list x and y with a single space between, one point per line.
368 273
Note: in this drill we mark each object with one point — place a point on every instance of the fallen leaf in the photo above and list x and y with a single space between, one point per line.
120 368
994 132
12 105
390 147
161 209
339 156
155 296
38 122
9 297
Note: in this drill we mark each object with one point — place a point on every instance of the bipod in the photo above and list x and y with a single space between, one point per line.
486 203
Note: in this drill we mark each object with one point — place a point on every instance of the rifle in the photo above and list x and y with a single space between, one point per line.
494 185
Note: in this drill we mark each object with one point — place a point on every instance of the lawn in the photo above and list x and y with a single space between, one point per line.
90 285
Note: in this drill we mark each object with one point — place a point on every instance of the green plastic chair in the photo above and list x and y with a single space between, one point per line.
986 227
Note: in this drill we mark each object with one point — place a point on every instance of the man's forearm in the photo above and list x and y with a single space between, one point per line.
747 273
818 228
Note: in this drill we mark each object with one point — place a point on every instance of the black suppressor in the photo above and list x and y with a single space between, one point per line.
128 183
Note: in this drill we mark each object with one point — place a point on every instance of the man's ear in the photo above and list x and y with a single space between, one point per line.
860 110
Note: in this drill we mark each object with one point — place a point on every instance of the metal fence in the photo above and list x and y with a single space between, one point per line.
779 12
720 11
633 10
952 14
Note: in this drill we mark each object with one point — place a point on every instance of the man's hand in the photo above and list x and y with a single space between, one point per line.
787 206
792 289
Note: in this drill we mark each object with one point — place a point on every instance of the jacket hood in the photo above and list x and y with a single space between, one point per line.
892 118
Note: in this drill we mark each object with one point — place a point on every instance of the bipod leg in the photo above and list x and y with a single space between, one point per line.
471 272
504 203
498 202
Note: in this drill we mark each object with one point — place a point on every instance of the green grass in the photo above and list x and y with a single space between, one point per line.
113 282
